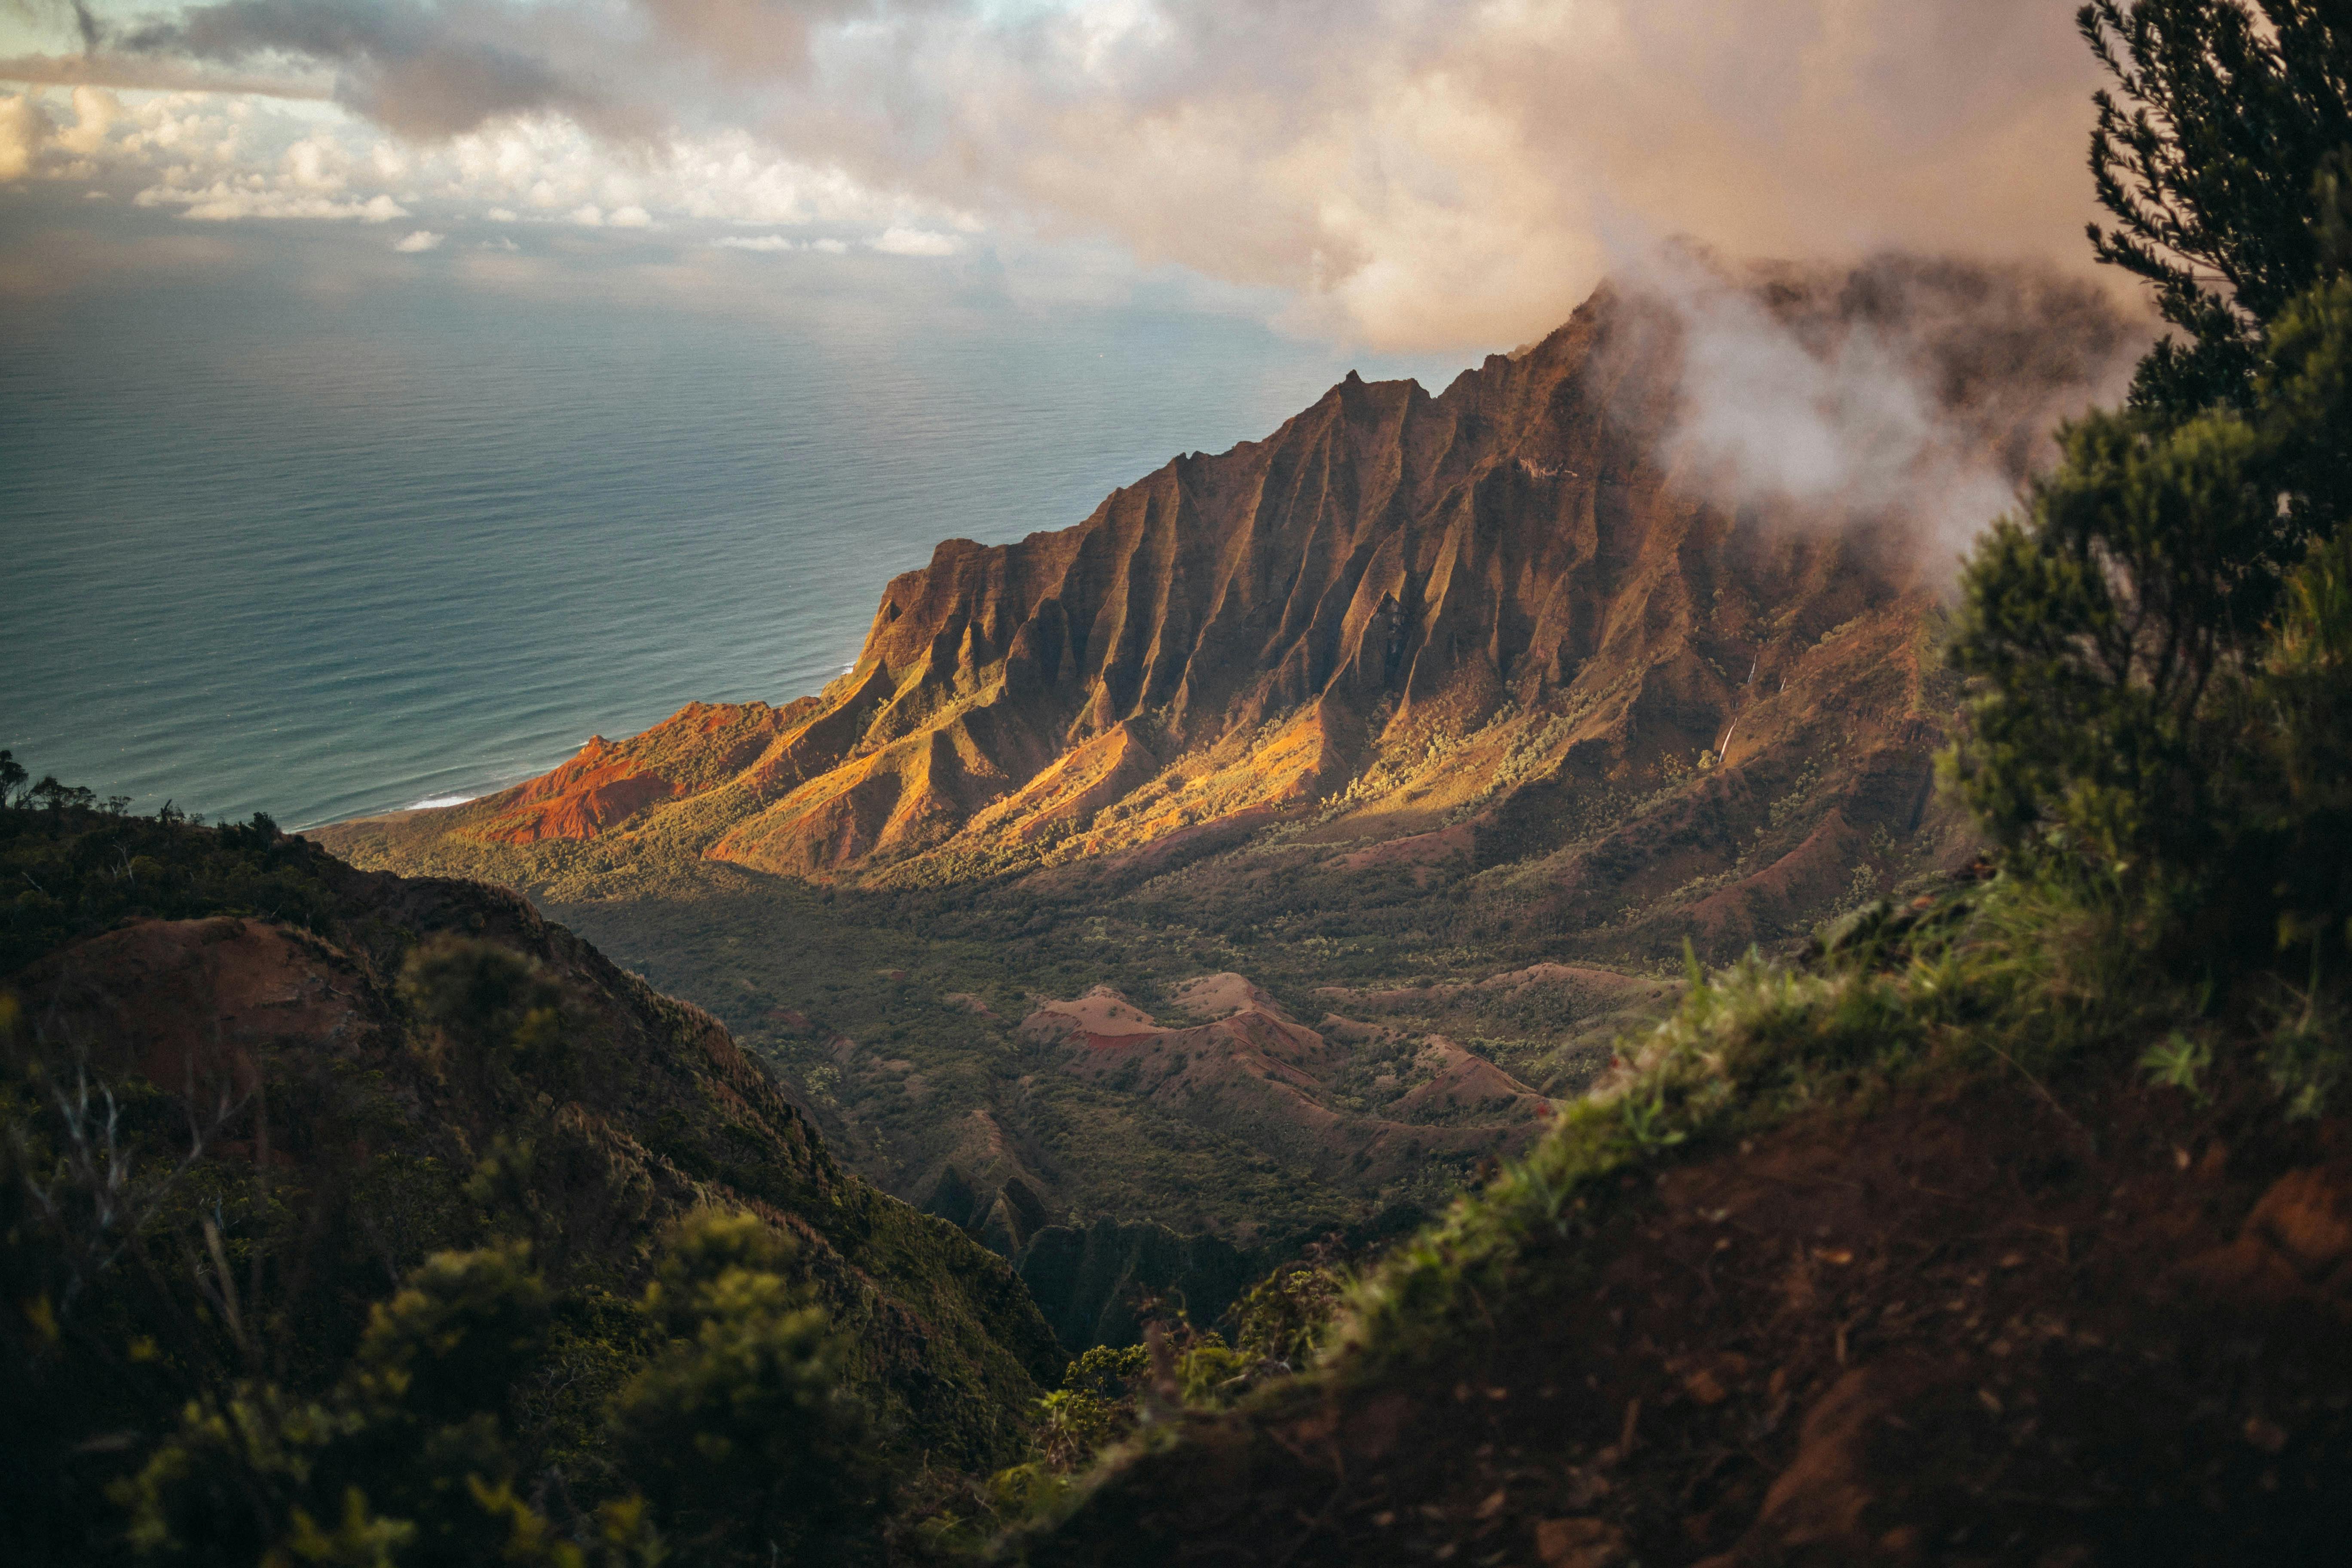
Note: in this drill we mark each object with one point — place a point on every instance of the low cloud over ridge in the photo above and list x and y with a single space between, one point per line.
1411 173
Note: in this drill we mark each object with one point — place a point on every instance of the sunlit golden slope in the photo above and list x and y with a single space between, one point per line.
1486 624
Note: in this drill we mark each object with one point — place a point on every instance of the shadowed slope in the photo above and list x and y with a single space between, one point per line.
625 1110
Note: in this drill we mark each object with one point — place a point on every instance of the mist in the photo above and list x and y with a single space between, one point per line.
1908 392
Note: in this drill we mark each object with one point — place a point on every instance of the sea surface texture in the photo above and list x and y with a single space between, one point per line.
269 551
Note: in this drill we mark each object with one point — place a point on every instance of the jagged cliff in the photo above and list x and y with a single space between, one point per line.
1500 615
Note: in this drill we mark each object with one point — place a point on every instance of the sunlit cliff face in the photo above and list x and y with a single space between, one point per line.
1407 174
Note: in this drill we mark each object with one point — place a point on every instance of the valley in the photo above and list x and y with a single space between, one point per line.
1434 726
1723 943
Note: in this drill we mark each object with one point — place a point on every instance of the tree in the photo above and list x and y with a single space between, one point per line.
408 1459
2106 627
2117 631
2223 118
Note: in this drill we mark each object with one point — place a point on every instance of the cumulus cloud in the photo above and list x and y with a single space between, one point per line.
422 240
96 113
770 243
904 241
1414 173
221 202
23 129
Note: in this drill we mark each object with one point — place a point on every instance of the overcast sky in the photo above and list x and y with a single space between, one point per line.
1406 175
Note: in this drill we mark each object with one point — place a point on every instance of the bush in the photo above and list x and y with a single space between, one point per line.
2158 650
746 1446
409 1458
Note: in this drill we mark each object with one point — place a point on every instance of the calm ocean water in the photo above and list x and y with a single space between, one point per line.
263 550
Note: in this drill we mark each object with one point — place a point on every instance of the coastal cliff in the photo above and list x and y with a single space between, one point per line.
1488 624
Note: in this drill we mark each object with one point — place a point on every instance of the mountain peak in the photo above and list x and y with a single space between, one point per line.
1397 615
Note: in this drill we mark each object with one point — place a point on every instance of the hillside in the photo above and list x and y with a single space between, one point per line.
1969 1323
313 1057
1388 714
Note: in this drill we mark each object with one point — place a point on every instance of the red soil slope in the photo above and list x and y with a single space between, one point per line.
1970 1329
1255 1072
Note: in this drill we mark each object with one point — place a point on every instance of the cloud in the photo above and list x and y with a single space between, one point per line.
158 74
760 242
96 111
631 217
221 202
23 129
1922 391
422 240
425 71
903 241
1410 173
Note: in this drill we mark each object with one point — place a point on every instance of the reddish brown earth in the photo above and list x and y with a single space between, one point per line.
1307 1096
1479 629
609 782
189 1004
1970 1329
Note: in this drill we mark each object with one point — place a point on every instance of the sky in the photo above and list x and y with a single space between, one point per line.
1405 176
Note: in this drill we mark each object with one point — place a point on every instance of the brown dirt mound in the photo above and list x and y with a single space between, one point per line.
187 1003
1260 1075
593 791
1967 1330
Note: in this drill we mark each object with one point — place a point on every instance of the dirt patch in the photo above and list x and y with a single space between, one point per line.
188 1003
1969 1330
1100 1015
1214 997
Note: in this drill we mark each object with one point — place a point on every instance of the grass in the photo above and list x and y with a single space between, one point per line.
2012 977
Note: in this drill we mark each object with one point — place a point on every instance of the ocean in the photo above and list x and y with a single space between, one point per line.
269 547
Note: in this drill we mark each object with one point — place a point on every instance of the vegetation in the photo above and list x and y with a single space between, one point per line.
2225 118
2156 643
488 1253
2158 654
520 1262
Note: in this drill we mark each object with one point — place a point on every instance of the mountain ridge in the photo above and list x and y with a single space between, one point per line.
1412 695
1267 634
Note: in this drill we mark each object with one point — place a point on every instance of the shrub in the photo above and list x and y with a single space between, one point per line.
744 1443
